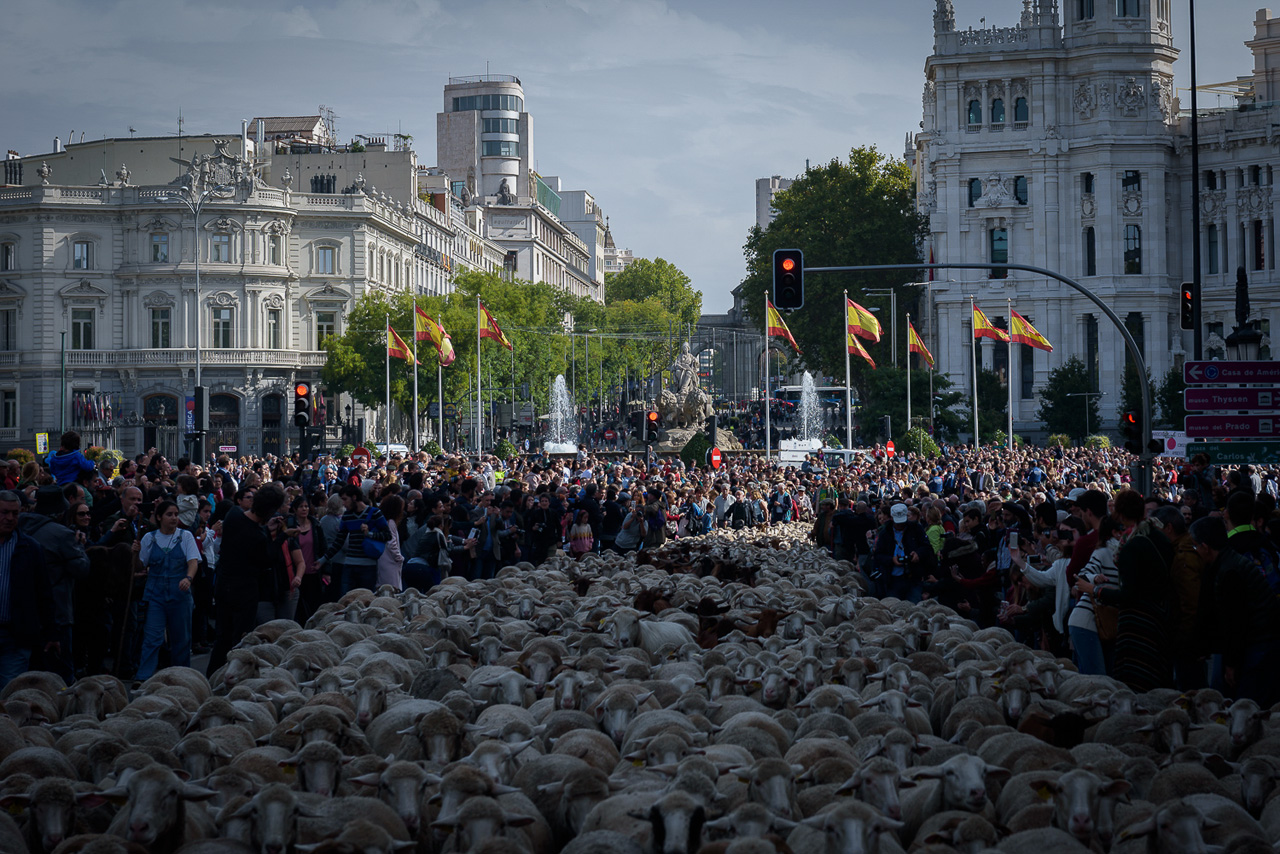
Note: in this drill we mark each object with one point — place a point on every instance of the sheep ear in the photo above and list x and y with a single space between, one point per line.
15 804
1117 788
641 699
1139 828
1044 787
885 824
553 789
368 779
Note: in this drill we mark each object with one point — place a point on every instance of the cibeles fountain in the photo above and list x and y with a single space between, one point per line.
562 421
684 408
808 434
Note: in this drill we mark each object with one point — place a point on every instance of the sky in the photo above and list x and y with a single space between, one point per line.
665 111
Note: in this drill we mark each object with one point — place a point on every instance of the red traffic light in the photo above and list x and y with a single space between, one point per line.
302 390
1130 419
652 416
788 264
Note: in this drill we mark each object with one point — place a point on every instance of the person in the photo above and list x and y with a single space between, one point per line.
581 541
780 507
311 543
361 521
26 594
243 557
1187 572
66 563
391 562
903 556
188 500
631 532
171 559
68 463
544 528
423 569
329 524
1243 613
279 586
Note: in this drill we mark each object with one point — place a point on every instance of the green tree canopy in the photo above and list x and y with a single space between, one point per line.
644 280
886 394
840 213
993 406
1131 394
1063 409
1173 409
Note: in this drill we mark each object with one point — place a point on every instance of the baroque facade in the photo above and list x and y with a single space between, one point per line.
1058 142
102 275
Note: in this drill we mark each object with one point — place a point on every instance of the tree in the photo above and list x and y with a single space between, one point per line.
1131 394
993 406
859 212
884 392
1061 408
1173 410
644 280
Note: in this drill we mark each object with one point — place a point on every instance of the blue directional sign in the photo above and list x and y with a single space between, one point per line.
1200 373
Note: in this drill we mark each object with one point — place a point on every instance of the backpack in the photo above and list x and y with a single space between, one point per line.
699 520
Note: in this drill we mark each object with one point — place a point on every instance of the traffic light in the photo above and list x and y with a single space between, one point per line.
650 424
302 405
788 278
1188 314
1131 427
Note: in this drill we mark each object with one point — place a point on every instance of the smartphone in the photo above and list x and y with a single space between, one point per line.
474 535
1013 539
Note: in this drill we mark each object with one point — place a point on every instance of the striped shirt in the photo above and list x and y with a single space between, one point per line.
6 563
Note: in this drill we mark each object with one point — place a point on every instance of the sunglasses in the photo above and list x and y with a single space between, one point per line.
83 513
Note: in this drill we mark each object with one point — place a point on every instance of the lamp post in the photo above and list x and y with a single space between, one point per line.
893 318
194 202
1086 395
62 407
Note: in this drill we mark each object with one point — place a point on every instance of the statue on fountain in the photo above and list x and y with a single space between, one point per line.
684 404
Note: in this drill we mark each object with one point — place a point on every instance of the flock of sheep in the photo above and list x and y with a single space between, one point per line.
731 693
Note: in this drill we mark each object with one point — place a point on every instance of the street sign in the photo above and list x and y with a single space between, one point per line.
361 452
610 435
1199 373
888 446
1225 426
191 415
713 458
226 449
1174 442
1230 398
42 443
1236 453
433 410
450 410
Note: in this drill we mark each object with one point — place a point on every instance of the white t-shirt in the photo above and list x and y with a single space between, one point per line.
179 538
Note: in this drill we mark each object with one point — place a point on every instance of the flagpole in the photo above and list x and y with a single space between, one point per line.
767 441
908 371
387 429
1009 324
479 415
417 445
440 400
972 323
848 393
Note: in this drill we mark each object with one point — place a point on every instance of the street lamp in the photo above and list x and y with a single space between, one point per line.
893 318
194 202
1086 395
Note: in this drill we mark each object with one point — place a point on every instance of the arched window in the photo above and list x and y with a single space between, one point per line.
975 113
997 111
1021 112
975 191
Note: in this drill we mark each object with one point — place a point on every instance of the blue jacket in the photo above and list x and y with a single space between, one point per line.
68 465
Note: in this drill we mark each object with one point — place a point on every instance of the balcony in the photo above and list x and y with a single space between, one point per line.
179 357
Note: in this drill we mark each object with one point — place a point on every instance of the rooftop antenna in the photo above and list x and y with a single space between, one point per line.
132 131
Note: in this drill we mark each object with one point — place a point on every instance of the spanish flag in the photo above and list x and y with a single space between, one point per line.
427 329
983 328
1022 332
856 349
915 345
861 322
489 328
775 326
397 348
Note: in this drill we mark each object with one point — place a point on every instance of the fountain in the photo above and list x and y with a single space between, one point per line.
562 422
808 437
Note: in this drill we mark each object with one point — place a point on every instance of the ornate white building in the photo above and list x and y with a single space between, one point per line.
101 272
1058 142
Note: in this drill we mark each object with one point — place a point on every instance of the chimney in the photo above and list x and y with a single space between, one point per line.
57 144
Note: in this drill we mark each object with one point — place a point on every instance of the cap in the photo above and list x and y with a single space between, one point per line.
1074 495
899 513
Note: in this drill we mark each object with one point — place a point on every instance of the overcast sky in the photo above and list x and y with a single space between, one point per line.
666 111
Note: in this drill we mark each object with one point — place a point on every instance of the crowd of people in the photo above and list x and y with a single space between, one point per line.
123 569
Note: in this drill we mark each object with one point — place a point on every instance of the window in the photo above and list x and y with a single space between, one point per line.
159 248
8 408
1086 183
975 191
220 248
975 113
82 255
1132 180
1259 246
81 329
8 256
1264 350
324 261
1137 327
1255 175
1090 252
273 249
1021 112
509 103
1020 189
326 327
373 266
456 188
275 329
1211 237
1027 369
222 318
997 111
1091 350
1084 10
1127 9
499 126
500 148
1132 250
161 323
1210 179
999 240
8 329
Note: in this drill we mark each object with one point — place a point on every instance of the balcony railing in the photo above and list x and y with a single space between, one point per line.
178 357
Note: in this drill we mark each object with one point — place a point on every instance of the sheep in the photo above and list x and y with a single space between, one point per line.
877 783
846 826
97 696
1083 803
1041 840
359 837
51 805
155 812
403 787
603 842
959 783
629 629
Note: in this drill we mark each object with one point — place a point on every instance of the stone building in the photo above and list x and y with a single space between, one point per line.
1058 142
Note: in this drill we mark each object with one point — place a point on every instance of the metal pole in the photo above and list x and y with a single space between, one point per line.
908 357
417 445
975 373
479 417
848 388
440 400
1196 283
62 405
1009 371
893 330
387 429
197 444
767 438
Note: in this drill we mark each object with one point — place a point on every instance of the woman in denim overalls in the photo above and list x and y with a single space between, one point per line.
172 559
